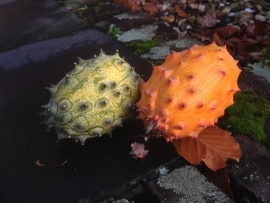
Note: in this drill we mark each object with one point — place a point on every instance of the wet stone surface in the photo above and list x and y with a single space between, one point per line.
32 20
186 184
125 21
159 52
250 177
103 163
98 11
147 32
92 170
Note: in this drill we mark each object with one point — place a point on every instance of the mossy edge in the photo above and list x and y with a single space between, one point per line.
248 115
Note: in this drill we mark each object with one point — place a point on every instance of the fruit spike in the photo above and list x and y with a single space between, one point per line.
194 86
92 99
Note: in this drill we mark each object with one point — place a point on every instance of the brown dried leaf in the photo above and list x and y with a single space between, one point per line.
226 31
124 2
151 9
261 28
205 36
132 6
230 47
154 1
44 165
191 1
246 45
180 12
217 40
213 146
249 30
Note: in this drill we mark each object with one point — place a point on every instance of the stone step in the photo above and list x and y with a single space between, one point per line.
250 177
125 21
186 184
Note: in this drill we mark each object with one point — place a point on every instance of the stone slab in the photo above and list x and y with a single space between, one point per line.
159 52
126 21
137 190
92 170
27 21
250 177
147 32
187 184
98 11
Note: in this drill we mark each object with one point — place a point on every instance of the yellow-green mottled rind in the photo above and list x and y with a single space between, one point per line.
94 98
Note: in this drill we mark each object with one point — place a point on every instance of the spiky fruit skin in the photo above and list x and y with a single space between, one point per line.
189 91
93 99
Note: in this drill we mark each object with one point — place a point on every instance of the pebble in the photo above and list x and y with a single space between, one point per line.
193 6
225 20
226 10
176 29
188 27
249 10
259 7
267 15
221 5
260 17
201 7
169 18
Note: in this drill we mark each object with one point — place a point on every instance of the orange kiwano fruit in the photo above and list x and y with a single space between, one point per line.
189 91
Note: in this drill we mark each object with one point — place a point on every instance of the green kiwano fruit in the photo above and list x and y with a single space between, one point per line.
93 99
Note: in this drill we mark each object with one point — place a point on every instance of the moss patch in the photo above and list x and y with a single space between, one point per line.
247 116
142 47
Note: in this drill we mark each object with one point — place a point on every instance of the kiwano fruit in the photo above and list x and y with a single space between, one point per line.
92 99
188 92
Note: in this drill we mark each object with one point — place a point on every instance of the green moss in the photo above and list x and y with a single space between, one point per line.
114 31
154 62
79 14
142 47
247 115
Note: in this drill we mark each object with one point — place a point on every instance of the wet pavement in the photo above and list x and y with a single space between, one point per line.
26 21
40 42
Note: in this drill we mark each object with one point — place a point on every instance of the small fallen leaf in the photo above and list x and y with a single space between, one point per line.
226 31
138 150
191 1
180 12
246 45
44 165
230 47
124 2
261 28
205 36
151 9
208 21
249 30
217 40
132 6
213 146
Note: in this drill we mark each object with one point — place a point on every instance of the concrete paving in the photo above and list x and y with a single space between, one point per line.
39 43
26 21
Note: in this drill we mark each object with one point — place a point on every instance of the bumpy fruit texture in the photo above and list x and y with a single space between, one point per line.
189 91
93 99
